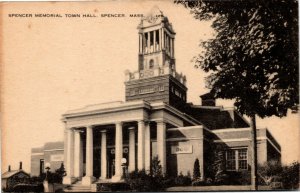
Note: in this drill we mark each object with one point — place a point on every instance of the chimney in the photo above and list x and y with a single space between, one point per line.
20 165
9 168
208 100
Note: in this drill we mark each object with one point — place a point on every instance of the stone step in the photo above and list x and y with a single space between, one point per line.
77 191
79 185
80 188
77 188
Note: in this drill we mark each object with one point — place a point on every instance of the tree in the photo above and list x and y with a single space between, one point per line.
156 169
218 166
196 173
253 57
61 172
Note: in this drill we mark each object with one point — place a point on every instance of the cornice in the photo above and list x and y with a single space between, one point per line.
125 106
186 117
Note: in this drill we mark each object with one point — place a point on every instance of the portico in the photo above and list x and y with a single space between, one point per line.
129 137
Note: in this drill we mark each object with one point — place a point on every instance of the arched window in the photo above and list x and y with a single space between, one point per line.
151 64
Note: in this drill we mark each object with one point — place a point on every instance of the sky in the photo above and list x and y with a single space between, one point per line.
52 65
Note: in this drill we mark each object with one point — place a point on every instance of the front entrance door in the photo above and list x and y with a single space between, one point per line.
111 160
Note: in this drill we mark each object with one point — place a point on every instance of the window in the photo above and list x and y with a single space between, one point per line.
146 90
157 37
236 159
146 39
230 159
161 88
151 38
42 166
242 165
151 64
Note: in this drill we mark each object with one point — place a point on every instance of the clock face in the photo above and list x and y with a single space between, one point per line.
151 19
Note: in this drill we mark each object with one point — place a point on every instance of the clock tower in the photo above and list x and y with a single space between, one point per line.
156 78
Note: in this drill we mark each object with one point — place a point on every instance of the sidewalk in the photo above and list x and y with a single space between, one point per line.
213 188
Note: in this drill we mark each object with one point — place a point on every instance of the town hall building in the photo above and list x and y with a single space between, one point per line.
156 120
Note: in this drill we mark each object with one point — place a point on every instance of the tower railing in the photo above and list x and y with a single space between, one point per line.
156 71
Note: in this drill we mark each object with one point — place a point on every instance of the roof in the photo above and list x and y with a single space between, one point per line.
107 107
214 117
48 146
54 145
12 173
37 150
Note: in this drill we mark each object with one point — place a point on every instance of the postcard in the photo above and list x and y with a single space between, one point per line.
149 96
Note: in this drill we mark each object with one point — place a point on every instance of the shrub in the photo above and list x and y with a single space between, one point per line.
143 182
28 188
268 170
218 168
61 172
182 180
275 175
290 176
198 182
54 178
156 169
238 178
196 173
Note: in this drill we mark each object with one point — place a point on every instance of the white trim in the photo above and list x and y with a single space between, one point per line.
274 145
183 138
236 152
48 150
246 139
261 138
265 138
230 130
186 117
37 153
231 140
186 128
103 109
220 107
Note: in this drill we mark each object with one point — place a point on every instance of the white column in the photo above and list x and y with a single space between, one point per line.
144 43
161 144
159 37
147 147
168 43
78 159
141 145
173 40
162 34
201 160
148 44
103 155
65 145
118 153
140 43
154 41
131 167
165 42
172 47
89 178
70 158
